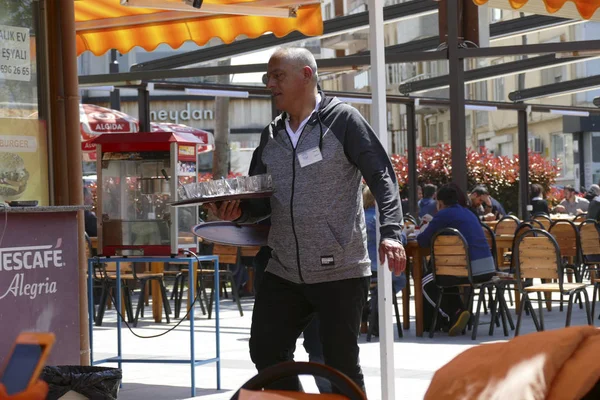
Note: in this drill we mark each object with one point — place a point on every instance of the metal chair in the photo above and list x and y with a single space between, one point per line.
537 255
450 257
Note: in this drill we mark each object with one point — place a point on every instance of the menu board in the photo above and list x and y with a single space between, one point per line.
23 160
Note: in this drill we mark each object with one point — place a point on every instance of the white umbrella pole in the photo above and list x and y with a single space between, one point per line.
379 123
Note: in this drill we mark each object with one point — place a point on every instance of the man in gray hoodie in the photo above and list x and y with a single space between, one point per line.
317 152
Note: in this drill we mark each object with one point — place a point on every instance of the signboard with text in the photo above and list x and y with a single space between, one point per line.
15 53
39 281
23 159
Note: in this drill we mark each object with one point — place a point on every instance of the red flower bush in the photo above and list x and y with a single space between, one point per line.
499 174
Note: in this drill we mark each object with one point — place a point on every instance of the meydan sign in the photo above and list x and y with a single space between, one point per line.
181 115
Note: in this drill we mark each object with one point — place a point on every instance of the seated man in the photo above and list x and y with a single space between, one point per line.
453 215
480 198
572 204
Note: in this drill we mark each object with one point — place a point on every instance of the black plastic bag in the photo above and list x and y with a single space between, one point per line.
92 382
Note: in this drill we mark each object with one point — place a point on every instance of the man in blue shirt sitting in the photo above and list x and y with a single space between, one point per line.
452 215
428 205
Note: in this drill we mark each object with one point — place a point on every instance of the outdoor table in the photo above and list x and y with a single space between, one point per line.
191 261
417 253
155 267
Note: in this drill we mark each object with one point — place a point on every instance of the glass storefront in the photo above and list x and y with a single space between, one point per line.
23 122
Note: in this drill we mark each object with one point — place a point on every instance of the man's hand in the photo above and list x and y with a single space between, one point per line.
560 209
227 210
489 217
396 256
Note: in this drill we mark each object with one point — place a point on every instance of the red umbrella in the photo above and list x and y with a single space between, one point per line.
96 120
207 138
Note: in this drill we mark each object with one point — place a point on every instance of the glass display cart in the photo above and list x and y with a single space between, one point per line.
138 177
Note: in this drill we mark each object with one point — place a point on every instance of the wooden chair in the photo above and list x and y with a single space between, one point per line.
544 219
506 226
499 303
450 257
410 220
566 235
228 255
106 276
580 217
589 240
537 255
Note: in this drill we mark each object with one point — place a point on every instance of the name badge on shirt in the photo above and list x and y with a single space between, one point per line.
309 157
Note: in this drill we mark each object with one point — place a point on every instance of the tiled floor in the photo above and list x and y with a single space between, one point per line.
416 359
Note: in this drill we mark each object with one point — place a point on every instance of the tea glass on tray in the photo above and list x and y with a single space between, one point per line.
224 187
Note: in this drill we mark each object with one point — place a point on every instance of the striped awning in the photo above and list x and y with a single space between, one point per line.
572 8
106 24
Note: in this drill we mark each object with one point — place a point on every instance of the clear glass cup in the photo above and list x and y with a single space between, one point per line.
266 182
254 183
183 193
221 187
231 185
210 187
242 184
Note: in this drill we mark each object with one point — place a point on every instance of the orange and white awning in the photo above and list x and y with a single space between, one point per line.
106 24
574 9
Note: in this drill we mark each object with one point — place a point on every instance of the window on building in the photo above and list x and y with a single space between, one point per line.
481 91
361 80
555 74
394 74
481 118
327 14
505 149
498 84
499 89
468 126
441 132
432 134
408 71
496 14
595 148
562 150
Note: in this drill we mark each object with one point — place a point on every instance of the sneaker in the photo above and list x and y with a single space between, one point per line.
460 323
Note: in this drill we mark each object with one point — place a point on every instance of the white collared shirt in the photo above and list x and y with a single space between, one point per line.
295 136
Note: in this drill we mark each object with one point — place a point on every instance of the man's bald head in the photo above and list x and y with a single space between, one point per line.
298 57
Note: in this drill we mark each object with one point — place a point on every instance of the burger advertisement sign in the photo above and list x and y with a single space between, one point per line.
23 160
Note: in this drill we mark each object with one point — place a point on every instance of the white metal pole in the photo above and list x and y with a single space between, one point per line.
379 123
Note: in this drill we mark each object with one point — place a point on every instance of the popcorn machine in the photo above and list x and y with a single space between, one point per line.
138 177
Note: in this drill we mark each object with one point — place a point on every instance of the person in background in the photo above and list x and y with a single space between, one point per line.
428 204
572 204
398 281
594 208
590 193
452 215
479 197
90 219
539 204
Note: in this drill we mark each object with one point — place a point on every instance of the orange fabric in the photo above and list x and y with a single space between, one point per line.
554 365
37 391
286 395
586 8
198 29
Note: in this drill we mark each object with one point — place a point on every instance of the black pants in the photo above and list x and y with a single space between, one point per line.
283 309
451 303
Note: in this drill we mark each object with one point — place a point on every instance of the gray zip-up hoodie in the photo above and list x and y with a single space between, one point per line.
318 229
